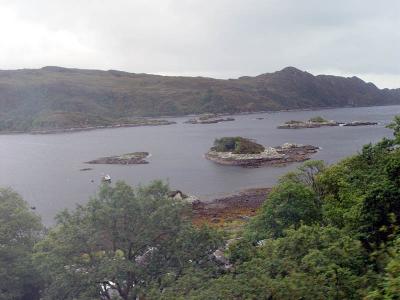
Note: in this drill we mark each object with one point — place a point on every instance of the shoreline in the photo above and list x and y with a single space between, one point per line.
80 129
90 128
134 158
272 156
309 125
229 209
276 111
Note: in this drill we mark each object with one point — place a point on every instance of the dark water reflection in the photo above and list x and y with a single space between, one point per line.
45 168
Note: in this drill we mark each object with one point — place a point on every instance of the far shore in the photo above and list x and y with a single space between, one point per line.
275 111
79 129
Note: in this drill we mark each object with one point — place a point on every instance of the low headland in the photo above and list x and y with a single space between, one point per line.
318 121
68 123
135 158
240 151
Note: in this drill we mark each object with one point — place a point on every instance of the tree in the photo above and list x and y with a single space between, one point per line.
388 286
19 230
312 262
290 204
391 283
307 174
122 242
237 145
395 125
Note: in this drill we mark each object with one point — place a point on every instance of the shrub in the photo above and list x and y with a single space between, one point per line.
237 145
318 119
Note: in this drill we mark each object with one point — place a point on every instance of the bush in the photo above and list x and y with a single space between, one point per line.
237 145
318 119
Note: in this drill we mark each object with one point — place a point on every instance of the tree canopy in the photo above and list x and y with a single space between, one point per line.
20 229
121 242
237 145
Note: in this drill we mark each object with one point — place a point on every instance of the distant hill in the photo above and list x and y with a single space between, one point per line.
55 97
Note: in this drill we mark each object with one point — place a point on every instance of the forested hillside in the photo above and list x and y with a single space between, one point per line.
54 97
325 232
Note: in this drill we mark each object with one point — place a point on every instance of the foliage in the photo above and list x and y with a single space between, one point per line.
237 145
391 280
361 193
395 126
121 242
19 230
307 174
294 201
318 119
290 204
311 262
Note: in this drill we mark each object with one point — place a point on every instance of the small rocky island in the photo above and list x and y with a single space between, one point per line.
239 151
208 119
321 122
135 158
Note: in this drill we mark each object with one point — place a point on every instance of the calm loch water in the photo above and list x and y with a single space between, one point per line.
44 169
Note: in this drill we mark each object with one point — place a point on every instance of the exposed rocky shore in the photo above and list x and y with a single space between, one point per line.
312 124
271 156
135 158
358 123
208 119
225 210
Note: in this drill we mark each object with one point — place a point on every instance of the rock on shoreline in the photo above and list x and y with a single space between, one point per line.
271 156
358 123
308 124
228 209
135 158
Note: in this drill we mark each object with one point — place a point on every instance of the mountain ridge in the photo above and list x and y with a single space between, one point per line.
58 97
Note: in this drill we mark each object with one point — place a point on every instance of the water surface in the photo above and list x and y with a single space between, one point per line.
44 169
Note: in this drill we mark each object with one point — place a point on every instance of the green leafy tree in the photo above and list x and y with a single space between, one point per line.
20 229
311 262
290 204
346 184
121 243
388 286
237 145
307 174
395 125
391 283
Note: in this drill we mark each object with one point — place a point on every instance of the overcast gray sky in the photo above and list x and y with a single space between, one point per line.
216 38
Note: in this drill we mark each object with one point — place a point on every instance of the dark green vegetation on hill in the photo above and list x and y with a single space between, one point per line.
54 97
323 233
237 145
